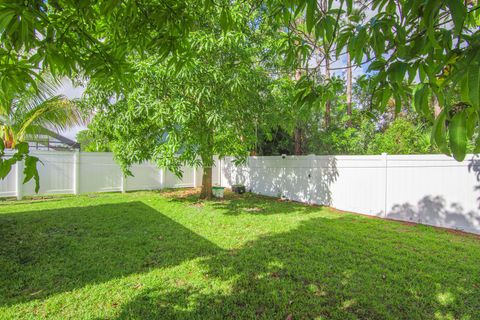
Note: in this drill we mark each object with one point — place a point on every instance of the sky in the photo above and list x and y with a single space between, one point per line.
71 92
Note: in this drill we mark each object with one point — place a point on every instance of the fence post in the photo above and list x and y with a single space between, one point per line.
19 180
311 179
194 176
123 183
162 178
76 172
385 182
219 171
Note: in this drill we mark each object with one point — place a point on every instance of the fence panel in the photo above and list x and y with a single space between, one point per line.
68 172
55 171
354 184
146 176
434 190
8 185
428 189
99 173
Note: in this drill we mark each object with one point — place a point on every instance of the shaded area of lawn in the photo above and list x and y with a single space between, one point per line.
245 257
51 251
333 268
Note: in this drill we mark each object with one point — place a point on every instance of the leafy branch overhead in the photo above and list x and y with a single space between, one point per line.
20 154
413 51
419 48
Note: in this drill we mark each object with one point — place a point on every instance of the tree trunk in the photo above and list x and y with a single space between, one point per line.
298 135
298 132
349 90
328 105
206 192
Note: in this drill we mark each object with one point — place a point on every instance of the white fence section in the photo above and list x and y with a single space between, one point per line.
428 189
75 173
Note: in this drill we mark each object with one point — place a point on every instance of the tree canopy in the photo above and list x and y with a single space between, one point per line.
178 113
415 52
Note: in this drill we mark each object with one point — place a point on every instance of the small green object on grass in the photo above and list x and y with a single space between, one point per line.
218 191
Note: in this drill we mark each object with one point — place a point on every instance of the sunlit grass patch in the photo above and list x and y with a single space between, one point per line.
151 255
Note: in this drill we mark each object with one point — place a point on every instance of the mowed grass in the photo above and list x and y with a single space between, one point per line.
151 255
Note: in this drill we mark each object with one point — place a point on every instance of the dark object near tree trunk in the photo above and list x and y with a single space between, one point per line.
238 188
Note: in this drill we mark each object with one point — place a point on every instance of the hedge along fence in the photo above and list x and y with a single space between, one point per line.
428 189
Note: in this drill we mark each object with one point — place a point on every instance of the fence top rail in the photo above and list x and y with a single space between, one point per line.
399 157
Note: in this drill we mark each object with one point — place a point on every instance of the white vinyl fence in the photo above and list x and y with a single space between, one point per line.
75 173
429 189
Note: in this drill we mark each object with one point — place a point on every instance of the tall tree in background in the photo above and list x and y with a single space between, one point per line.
326 57
349 89
356 16
432 46
328 102
299 134
211 104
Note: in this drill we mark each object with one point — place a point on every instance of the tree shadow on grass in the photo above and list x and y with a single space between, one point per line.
247 203
51 251
348 267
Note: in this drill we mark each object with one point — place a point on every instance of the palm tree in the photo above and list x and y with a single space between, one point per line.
36 111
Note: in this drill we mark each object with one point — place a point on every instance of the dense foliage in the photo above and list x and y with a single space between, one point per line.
210 104
91 143
423 54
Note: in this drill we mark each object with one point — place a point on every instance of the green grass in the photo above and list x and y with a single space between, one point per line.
148 255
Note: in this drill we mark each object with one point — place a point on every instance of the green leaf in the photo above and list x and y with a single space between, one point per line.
439 133
5 167
22 148
349 6
376 65
310 14
224 19
421 98
398 102
458 11
397 71
31 171
471 123
457 130
474 84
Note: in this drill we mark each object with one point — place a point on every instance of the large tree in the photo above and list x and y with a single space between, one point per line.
212 104
433 46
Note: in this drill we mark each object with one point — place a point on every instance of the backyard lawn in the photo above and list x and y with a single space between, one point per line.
151 255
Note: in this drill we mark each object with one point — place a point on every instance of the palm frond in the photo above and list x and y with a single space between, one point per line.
32 96
56 113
